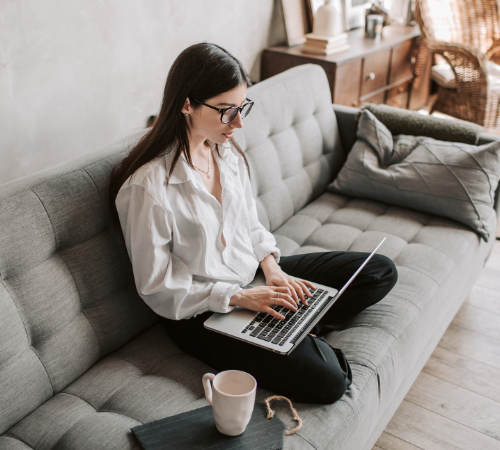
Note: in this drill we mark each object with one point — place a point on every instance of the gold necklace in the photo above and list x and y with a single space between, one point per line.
207 173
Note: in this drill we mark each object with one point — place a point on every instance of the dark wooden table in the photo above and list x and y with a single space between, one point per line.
394 70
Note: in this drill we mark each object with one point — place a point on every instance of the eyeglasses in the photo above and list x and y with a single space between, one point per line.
228 114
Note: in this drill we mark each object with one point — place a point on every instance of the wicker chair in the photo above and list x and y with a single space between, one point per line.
466 33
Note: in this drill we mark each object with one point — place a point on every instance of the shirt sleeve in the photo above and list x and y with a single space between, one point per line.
263 242
162 279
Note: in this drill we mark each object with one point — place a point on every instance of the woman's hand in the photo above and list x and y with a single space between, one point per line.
277 277
262 298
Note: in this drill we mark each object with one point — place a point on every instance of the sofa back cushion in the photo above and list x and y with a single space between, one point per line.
67 293
291 142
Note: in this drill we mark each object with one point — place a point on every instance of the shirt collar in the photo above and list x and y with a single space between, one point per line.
183 172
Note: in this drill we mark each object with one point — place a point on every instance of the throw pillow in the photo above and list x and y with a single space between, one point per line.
449 179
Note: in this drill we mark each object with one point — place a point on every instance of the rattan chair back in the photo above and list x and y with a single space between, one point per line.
466 33
472 22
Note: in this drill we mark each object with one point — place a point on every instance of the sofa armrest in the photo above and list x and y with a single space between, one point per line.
347 125
497 203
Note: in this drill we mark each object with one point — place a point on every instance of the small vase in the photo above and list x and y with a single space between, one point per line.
329 20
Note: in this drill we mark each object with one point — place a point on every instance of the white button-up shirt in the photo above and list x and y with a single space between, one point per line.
174 235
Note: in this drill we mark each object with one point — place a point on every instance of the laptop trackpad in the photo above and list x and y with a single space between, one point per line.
240 317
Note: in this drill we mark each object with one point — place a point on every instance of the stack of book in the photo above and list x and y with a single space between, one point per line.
325 45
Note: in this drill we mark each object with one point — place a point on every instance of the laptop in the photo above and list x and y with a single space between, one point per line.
280 336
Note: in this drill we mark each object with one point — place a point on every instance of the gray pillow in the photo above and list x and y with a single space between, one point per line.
449 179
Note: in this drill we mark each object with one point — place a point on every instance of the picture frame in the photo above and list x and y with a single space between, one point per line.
297 22
354 13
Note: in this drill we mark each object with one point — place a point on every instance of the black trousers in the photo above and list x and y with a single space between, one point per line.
314 372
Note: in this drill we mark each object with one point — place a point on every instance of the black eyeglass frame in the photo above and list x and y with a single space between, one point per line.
224 110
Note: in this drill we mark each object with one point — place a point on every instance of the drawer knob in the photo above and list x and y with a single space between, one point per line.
413 60
354 103
401 89
370 76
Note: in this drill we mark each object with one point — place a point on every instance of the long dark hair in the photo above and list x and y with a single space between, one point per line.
201 71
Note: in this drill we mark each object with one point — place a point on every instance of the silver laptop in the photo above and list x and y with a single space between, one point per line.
280 336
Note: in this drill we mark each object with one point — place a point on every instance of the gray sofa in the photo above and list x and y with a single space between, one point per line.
83 359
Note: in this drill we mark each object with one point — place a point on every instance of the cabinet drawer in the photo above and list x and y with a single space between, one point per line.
346 90
398 95
375 71
401 61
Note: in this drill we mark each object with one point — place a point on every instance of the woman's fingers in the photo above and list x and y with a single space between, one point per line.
280 302
282 289
302 290
288 296
297 288
291 293
284 299
281 292
305 284
274 313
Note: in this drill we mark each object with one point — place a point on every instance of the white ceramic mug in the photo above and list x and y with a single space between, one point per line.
232 396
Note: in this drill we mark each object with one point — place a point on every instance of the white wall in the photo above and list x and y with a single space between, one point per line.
76 75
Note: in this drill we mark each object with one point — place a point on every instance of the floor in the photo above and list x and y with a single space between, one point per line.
455 401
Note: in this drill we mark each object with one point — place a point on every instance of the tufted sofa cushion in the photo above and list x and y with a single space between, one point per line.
67 292
438 261
291 141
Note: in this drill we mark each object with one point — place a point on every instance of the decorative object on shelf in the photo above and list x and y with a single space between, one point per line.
378 8
329 19
401 12
354 12
328 34
324 45
296 22
312 7
374 24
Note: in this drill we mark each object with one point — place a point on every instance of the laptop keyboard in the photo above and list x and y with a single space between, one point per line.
269 329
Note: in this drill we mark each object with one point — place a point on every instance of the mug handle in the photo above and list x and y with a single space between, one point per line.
207 386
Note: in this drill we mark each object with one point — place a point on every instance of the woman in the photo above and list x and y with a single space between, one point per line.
185 205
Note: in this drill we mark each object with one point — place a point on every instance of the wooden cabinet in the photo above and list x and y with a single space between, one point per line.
370 71
346 85
375 71
403 60
399 95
